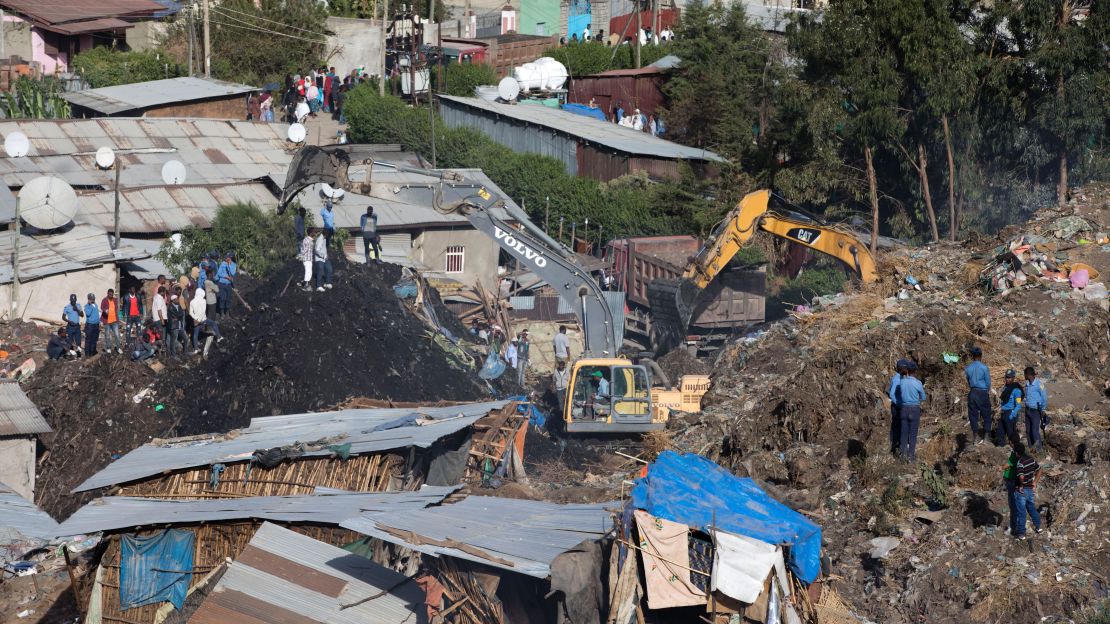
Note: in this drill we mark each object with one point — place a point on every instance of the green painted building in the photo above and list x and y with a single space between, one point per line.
540 17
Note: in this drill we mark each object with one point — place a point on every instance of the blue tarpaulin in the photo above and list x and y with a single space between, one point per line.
155 568
690 488
529 409
582 109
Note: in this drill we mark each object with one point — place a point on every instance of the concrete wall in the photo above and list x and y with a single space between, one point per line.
533 12
542 353
43 299
146 35
17 465
429 248
356 43
17 38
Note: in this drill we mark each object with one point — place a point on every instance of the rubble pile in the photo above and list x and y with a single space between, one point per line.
292 351
802 408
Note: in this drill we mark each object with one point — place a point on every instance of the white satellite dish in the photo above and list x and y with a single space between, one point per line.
331 192
297 133
17 144
47 203
105 157
508 89
173 172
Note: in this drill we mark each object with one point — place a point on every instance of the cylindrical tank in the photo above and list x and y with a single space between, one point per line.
553 72
528 75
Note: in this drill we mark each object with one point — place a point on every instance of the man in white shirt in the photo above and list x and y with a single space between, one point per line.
561 344
511 354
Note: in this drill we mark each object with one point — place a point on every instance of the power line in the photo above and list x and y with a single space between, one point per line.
260 18
248 26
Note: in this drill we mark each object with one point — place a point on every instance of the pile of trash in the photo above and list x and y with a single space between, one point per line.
802 410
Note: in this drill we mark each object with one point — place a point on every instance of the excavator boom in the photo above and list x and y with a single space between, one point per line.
673 301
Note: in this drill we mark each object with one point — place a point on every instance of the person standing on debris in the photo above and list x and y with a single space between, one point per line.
522 349
978 396
560 379
511 354
298 223
321 264
327 217
911 394
1026 473
305 256
1011 398
368 223
72 315
198 309
561 344
110 315
895 414
92 325
1036 400
176 337
225 280
211 295
160 309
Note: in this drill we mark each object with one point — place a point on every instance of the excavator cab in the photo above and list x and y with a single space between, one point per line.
608 396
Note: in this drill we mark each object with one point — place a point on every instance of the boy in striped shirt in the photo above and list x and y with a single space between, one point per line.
1026 472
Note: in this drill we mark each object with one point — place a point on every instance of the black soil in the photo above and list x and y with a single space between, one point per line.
679 362
292 352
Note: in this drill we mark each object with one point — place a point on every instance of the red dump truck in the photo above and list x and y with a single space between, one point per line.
731 303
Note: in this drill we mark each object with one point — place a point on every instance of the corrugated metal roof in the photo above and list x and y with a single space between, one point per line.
18 415
20 518
81 247
367 430
586 129
284 576
143 268
517 535
140 95
123 512
60 11
88 26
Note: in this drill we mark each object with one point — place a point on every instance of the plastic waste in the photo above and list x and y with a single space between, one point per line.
493 368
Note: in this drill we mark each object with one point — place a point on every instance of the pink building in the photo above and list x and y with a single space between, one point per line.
51 32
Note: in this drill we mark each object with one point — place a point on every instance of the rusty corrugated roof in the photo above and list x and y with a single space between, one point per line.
63 11
76 249
18 415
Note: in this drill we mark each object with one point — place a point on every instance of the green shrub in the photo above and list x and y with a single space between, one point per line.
461 78
262 240
105 67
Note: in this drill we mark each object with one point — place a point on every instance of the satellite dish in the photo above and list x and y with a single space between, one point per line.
331 192
47 202
105 157
173 172
17 144
508 89
297 133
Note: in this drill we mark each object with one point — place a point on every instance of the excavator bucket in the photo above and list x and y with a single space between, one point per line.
672 307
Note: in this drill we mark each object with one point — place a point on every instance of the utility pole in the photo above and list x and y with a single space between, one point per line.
639 30
115 237
15 263
191 23
547 215
208 43
381 80
654 21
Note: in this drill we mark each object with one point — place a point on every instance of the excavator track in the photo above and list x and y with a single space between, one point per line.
672 307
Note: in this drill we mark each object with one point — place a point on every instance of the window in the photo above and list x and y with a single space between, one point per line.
455 257
541 28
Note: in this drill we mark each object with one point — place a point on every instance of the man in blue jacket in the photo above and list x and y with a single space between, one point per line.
1036 401
978 396
1011 397
92 325
72 314
327 217
911 394
225 275
895 415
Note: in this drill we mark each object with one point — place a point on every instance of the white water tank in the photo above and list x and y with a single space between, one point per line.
528 75
553 73
486 92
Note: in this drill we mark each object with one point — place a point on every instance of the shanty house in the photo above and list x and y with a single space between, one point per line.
23 526
586 146
630 88
187 96
20 424
50 33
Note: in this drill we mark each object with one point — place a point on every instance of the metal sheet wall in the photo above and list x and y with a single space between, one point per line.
641 91
515 135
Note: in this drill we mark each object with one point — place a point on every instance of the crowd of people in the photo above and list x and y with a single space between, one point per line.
1019 404
175 319
646 37
304 96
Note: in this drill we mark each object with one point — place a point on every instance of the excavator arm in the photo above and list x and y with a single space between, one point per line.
454 194
672 301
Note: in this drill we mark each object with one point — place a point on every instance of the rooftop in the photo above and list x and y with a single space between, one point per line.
367 430
521 536
18 415
141 95
21 519
111 513
586 129
283 576
76 249
82 16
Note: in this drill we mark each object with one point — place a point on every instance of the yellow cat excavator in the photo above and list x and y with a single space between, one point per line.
672 301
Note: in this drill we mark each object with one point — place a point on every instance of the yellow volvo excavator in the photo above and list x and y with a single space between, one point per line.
672 301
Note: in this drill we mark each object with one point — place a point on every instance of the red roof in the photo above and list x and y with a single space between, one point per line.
74 16
643 71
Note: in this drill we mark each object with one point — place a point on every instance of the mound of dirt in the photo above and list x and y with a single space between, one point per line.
803 409
291 351
679 362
